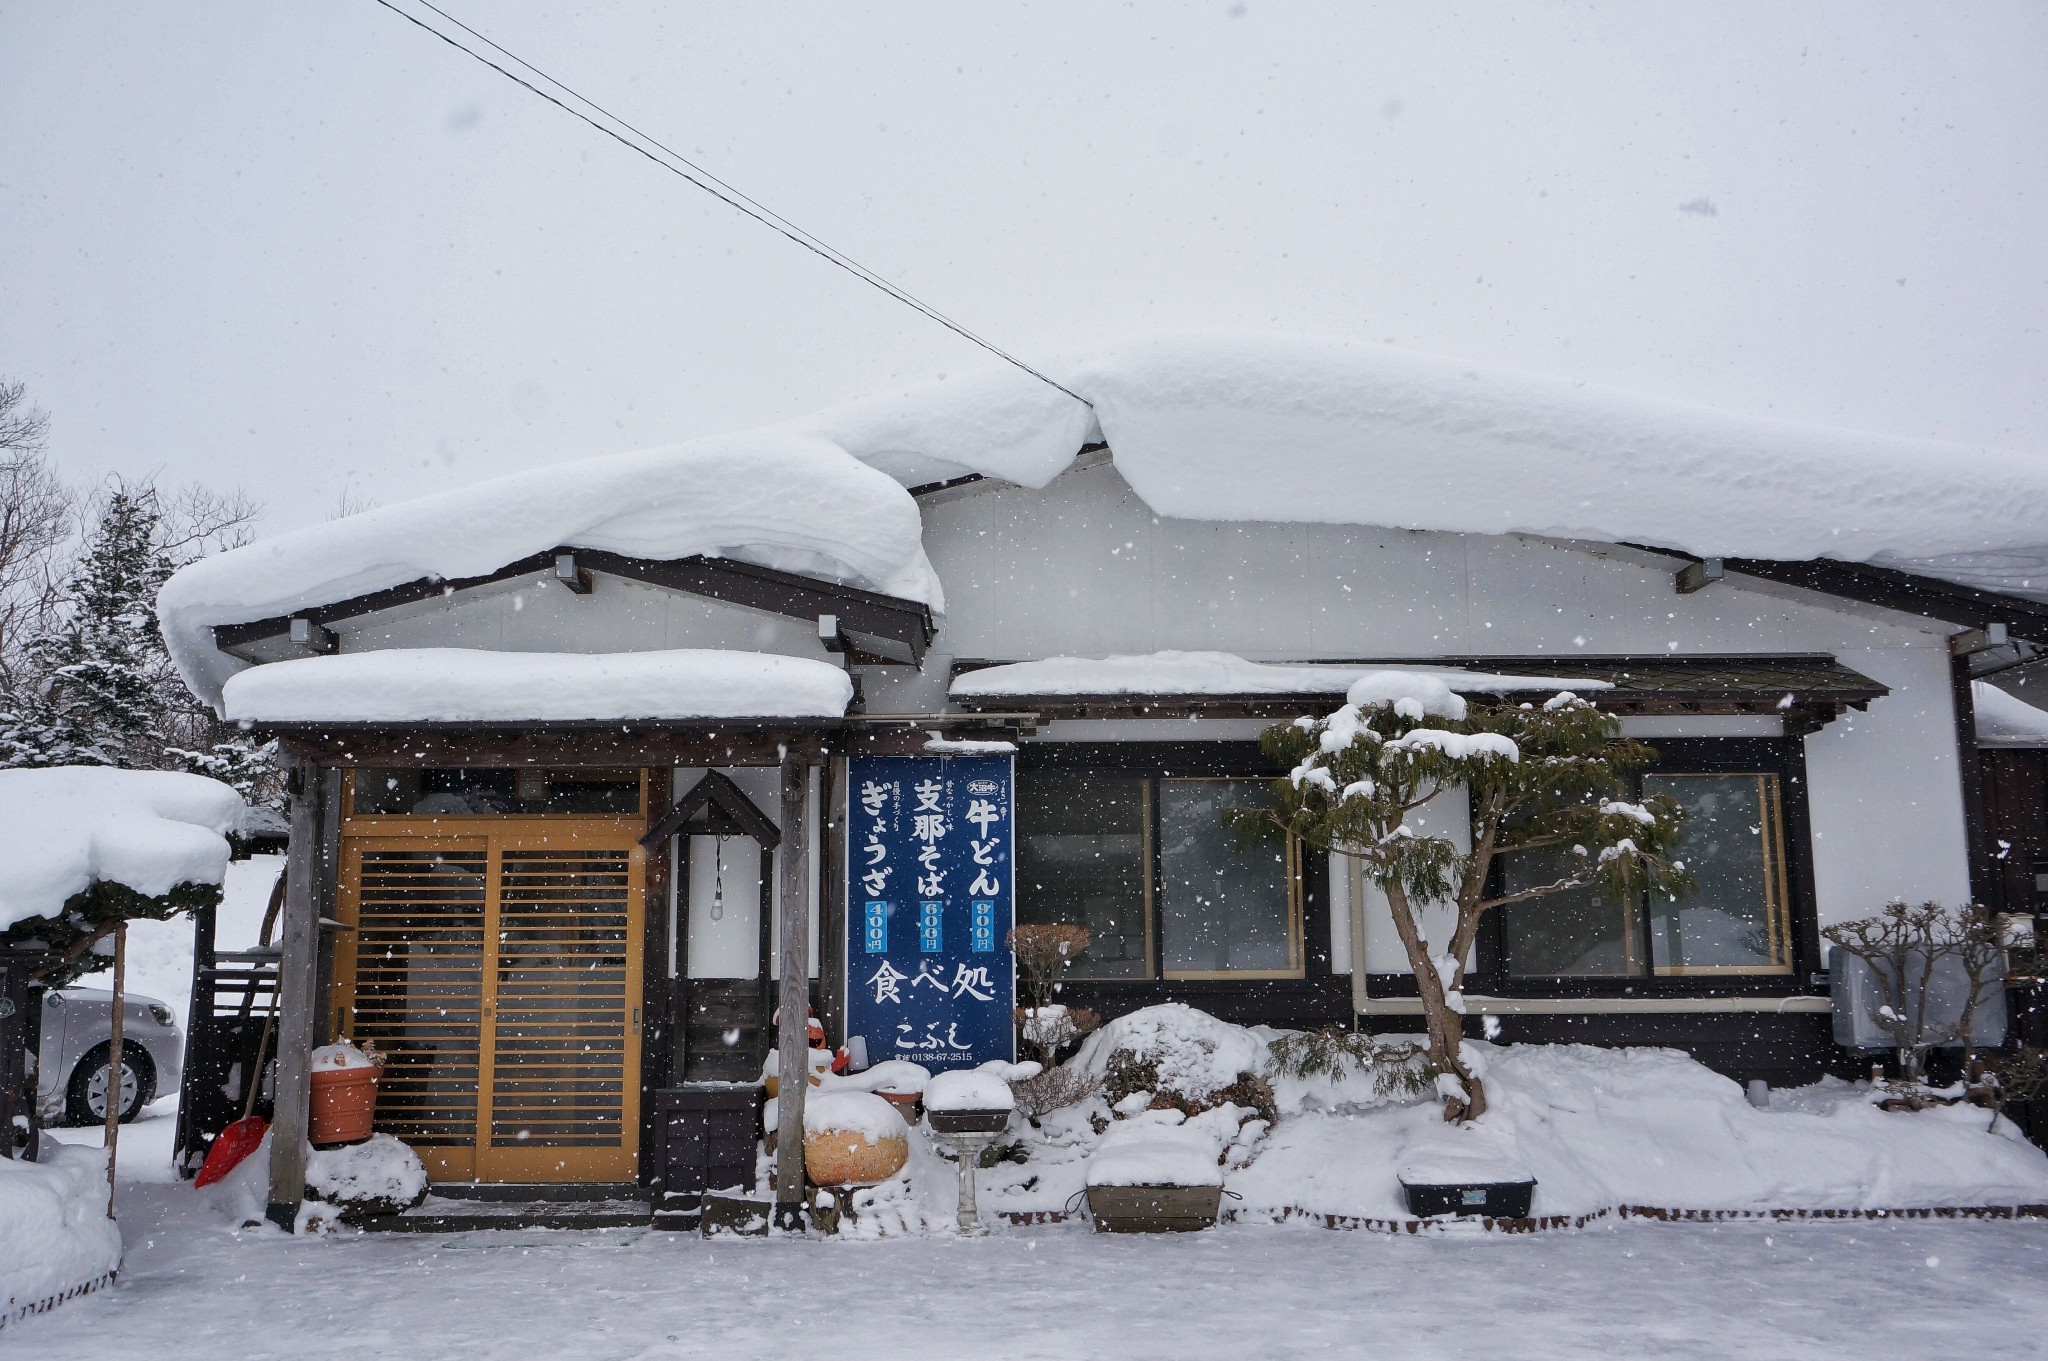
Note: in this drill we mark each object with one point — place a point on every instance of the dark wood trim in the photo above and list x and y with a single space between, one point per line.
657 1005
553 747
1967 606
1815 703
908 624
296 998
831 832
715 791
1970 770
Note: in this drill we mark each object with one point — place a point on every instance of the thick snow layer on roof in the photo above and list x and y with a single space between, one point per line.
66 828
2005 720
1243 427
778 498
455 685
1224 673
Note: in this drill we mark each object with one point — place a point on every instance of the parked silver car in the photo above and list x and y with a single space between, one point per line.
71 1063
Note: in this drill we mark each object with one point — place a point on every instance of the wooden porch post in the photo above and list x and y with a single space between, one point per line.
793 995
296 1000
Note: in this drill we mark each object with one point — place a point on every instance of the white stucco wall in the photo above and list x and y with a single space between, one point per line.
1084 568
730 946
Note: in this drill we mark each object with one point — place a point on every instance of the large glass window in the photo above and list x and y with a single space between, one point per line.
1736 920
1151 867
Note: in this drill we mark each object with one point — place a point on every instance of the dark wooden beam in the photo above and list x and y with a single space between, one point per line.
553 748
296 1000
1907 592
715 791
906 623
792 1044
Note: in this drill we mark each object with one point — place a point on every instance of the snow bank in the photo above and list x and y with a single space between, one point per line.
845 1111
779 498
1223 673
380 1171
454 684
66 828
1195 1054
1599 1128
54 1232
1249 427
890 1075
1158 1148
2005 720
986 1088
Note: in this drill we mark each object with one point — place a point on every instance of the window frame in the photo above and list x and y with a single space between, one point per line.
1784 757
1306 874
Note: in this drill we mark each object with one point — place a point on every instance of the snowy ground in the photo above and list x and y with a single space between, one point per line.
194 1288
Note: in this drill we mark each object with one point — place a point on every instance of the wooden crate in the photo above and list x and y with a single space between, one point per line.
705 1137
1154 1209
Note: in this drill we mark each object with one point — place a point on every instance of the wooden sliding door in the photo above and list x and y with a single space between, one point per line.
498 969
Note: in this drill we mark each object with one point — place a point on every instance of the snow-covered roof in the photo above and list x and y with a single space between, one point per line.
2005 720
777 498
455 685
1215 427
1223 673
1237 427
65 828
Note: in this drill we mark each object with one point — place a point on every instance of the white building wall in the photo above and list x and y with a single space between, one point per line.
1084 568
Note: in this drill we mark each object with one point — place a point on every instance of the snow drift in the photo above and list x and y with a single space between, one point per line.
779 499
402 685
69 827
1248 427
55 1236
1224 673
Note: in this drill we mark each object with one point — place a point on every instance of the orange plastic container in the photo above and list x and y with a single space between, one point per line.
344 1104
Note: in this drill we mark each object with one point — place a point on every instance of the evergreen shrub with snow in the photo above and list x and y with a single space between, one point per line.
1537 777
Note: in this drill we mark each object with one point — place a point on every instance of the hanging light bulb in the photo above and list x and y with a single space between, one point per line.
718 878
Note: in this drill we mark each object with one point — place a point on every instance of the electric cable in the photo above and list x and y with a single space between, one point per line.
700 178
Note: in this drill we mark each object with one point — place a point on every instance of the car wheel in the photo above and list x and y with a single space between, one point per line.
86 1096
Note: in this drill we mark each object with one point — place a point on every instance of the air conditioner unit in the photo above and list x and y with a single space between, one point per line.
1858 992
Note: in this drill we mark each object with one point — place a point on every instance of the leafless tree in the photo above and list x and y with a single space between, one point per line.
35 522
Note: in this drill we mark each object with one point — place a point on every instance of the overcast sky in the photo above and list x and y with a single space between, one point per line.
305 247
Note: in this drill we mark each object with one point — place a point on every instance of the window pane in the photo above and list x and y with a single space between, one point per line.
1081 861
1735 920
1579 933
426 793
1224 907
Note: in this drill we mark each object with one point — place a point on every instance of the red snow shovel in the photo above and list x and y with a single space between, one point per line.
242 1138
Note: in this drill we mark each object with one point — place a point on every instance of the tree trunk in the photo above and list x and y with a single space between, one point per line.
1446 1027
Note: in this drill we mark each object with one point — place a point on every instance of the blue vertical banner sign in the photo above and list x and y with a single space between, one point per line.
930 902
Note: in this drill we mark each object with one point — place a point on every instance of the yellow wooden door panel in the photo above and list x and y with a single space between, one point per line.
412 974
499 971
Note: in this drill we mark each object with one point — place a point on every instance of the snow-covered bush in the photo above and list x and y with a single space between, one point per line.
1397 1067
380 1176
1182 1059
55 1237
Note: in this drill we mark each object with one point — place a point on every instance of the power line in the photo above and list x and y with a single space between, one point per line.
700 178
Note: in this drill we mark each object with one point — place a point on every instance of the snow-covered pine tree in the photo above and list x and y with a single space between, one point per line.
99 695
1531 777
